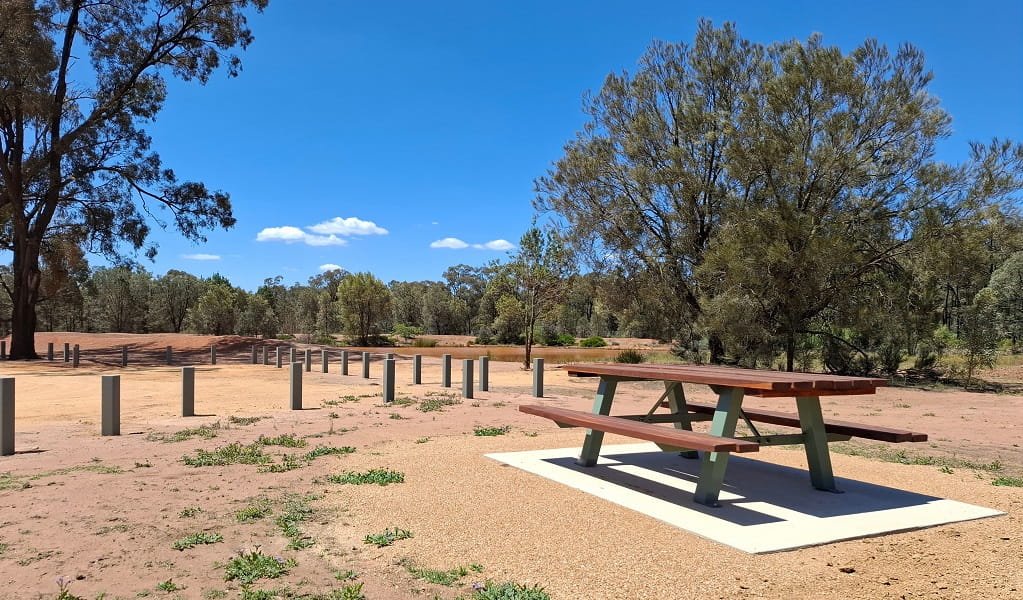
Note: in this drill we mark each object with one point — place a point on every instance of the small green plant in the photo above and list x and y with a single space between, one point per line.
295 510
333 415
143 465
254 512
422 440
187 513
593 342
352 591
205 432
243 420
251 594
396 417
197 539
629 357
250 566
346 575
438 577
508 591
946 470
377 476
326 451
168 586
388 537
288 440
1008 481
234 453
64 589
437 403
214 594
289 462
491 431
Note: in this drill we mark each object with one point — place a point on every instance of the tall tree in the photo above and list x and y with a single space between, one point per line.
173 295
540 269
364 303
74 159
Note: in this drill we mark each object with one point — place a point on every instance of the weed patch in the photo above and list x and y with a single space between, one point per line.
244 420
1008 481
509 591
295 510
388 537
206 432
437 403
254 512
377 476
197 539
250 566
326 451
491 431
234 453
288 440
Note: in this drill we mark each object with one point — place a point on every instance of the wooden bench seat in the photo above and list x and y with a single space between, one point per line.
667 436
871 432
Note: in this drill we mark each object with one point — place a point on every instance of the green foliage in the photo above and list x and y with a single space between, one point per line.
247 567
437 403
388 537
424 343
259 509
288 440
491 431
187 513
407 332
448 577
364 302
327 451
205 432
377 476
979 335
168 586
629 356
1008 481
509 591
234 453
593 342
295 510
197 539
243 420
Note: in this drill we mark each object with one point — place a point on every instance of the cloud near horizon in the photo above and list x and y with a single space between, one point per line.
330 267
457 244
323 234
201 256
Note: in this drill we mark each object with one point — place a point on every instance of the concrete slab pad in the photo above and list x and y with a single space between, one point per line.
764 507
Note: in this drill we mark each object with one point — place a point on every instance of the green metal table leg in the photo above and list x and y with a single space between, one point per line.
677 404
815 441
601 406
712 469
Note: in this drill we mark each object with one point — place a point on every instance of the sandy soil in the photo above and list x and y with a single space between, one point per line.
104 512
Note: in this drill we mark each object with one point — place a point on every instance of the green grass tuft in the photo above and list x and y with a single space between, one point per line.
197 539
377 476
247 567
491 431
388 537
234 453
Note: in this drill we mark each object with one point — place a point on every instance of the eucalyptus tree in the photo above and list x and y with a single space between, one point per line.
540 270
364 305
641 188
1007 285
172 297
75 162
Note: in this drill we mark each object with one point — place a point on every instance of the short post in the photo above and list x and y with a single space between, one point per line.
445 370
187 391
111 423
49 351
254 354
344 362
291 355
308 360
213 354
365 365
389 380
67 352
323 361
266 355
75 355
390 356
124 356
170 355
296 386
467 378
277 356
6 416
3 349
484 373
417 369
538 377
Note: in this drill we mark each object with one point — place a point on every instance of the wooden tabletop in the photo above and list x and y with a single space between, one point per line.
755 382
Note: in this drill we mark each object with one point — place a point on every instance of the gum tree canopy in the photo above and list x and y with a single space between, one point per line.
78 79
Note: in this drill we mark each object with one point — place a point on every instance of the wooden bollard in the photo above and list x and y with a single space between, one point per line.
170 355
344 362
213 354
277 356
484 373
417 369
111 405
6 416
538 377
389 380
323 361
75 355
49 351
67 352
365 365
295 392
124 356
254 354
187 391
266 356
445 370
308 360
467 378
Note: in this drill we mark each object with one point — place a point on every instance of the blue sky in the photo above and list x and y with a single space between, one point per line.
402 138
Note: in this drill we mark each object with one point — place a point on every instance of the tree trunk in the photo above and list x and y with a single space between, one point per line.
717 349
26 293
790 351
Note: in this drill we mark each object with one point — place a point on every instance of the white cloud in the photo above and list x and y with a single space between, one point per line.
498 245
453 243
201 256
290 235
434 222
349 226
329 267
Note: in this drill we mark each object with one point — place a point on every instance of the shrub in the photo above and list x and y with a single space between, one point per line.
630 357
890 357
594 341
424 343
326 340
484 338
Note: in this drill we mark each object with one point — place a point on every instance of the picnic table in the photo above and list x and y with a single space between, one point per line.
731 385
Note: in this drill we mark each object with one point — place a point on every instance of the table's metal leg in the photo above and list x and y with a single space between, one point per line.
677 404
712 468
815 441
601 406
